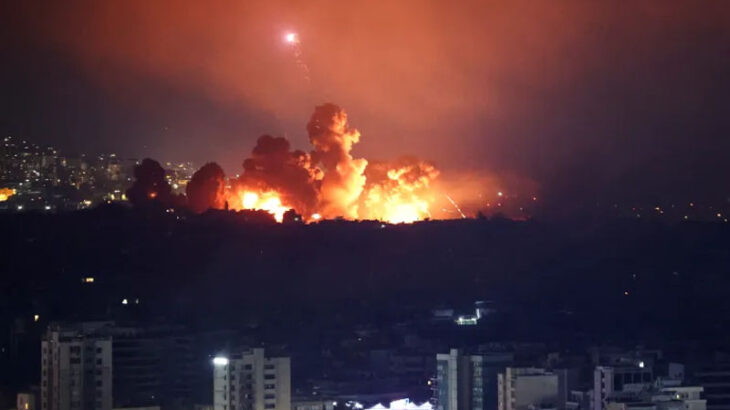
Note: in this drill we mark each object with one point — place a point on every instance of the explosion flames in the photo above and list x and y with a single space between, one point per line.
327 182
398 192
266 201
343 178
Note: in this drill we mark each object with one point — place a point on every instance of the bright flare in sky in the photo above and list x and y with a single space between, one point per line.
291 38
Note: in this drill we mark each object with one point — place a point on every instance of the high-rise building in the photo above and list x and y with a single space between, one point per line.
528 388
76 370
460 382
251 381
153 366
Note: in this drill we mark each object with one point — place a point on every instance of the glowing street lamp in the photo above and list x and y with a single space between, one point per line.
220 361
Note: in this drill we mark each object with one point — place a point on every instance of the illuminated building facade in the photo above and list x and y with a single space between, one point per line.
251 381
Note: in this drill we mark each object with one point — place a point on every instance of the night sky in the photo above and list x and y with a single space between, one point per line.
609 100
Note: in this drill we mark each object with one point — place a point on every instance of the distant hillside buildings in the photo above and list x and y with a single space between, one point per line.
41 178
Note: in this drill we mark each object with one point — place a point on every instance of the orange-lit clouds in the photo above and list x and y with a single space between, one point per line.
402 66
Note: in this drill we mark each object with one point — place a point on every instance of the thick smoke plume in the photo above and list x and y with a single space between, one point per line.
273 167
343 179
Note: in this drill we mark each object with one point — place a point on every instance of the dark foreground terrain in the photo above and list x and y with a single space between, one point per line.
570 283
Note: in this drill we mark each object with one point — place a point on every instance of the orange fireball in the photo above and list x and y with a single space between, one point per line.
6 193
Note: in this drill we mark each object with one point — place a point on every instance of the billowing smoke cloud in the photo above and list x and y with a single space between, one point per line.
207 188
343 179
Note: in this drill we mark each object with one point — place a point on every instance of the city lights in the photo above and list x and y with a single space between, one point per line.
31 177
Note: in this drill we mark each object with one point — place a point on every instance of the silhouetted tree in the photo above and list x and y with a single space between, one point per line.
150 186
206 189
291 217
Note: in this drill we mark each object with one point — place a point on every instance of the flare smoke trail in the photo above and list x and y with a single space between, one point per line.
292 39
